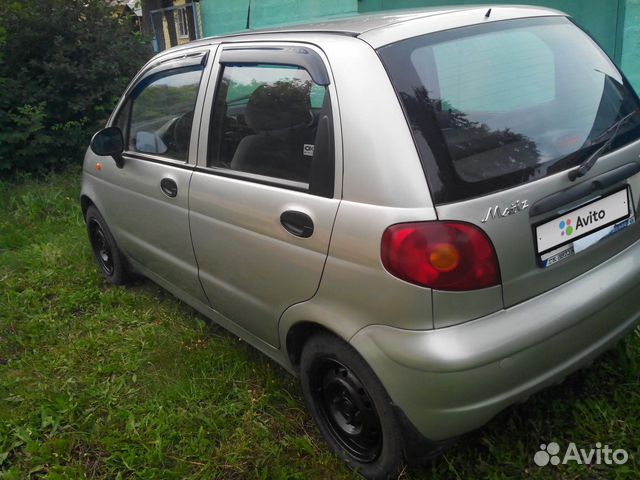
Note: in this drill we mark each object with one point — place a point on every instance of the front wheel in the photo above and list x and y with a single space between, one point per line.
351 407
111 261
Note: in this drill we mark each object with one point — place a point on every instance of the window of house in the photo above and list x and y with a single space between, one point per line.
162 108
182 27
266 122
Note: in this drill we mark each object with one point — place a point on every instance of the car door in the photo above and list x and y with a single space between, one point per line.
148 197
265 194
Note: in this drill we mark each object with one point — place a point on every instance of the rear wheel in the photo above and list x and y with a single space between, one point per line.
111 261
351 407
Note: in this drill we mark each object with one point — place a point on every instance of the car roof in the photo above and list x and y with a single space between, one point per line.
356 24
371 25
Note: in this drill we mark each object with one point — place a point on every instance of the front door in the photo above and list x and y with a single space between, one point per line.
262 200
149 198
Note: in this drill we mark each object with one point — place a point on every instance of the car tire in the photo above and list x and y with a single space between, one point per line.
110 259
351 407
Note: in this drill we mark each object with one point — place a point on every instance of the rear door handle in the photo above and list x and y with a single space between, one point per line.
297 223
169 187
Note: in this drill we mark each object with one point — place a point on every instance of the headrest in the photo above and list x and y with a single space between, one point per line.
279 105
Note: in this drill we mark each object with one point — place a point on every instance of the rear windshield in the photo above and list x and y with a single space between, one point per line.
501 104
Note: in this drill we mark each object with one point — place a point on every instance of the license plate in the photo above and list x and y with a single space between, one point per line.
582 226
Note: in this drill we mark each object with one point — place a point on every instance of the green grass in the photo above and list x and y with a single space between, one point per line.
98 381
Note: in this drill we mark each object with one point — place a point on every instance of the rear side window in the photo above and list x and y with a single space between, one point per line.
161 113
272 121
498 105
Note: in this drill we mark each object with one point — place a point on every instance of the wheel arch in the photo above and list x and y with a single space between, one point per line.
85 203
296 337
302 320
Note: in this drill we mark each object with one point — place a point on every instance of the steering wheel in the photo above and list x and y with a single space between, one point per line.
180 134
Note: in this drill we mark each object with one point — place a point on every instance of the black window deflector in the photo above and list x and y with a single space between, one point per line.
188 60
158 73
294 56
192 60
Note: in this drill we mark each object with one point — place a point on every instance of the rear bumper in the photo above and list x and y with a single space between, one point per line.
452 380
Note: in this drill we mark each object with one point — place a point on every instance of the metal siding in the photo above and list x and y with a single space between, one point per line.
631 43
222 16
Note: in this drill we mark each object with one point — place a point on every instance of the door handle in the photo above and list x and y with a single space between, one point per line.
169 187
297 223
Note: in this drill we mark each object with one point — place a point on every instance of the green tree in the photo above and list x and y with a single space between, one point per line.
63 65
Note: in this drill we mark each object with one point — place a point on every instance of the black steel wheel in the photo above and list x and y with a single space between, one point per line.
351 407
101 247
105 250
347 409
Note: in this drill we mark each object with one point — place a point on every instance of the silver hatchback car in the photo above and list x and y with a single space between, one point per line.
427 215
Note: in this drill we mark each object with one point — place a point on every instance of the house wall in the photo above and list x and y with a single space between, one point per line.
165 26
220 16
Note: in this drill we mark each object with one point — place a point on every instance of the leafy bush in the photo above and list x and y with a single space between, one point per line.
63 65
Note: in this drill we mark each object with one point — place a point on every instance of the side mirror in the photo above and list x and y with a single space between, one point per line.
109 142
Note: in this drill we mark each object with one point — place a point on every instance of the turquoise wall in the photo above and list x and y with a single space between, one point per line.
631 43
225 16
222 16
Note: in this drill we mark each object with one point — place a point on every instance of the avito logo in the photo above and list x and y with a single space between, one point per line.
567 228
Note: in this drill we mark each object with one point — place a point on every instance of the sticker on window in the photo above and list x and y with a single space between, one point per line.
308 150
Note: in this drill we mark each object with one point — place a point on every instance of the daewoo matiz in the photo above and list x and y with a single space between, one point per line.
427 216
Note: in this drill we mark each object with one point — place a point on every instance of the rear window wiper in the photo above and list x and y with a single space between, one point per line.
588 164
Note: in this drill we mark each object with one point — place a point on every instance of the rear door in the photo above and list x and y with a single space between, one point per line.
501 112
265 194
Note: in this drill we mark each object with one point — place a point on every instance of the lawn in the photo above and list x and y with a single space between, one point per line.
98 381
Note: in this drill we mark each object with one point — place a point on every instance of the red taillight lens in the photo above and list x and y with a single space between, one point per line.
440 255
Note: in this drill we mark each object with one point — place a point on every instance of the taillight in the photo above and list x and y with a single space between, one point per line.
440 255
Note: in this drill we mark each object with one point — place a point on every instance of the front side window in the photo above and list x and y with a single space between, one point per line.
501 104
162 108
266 122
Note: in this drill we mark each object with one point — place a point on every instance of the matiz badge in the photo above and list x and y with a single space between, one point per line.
497 212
